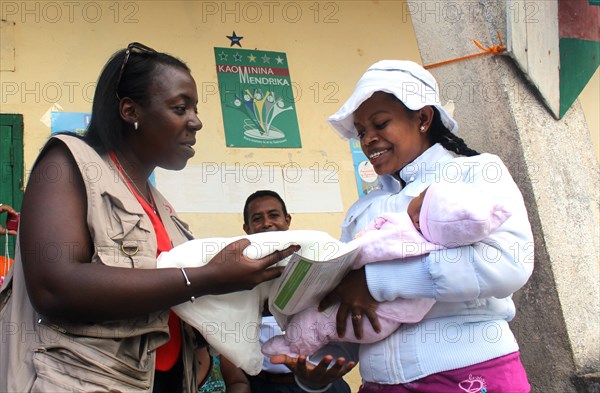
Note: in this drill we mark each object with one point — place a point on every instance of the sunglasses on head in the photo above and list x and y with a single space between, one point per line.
134 47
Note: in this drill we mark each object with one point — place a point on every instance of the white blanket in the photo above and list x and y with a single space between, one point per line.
231 322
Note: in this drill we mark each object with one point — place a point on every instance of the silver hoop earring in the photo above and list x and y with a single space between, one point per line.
421 129
135 125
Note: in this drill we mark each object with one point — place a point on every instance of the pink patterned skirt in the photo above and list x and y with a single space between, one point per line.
501 375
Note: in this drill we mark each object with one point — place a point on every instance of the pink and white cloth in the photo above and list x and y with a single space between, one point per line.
452 215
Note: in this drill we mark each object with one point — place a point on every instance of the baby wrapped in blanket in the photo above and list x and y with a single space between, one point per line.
445 215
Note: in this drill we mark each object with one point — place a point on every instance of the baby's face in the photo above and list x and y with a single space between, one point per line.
414 209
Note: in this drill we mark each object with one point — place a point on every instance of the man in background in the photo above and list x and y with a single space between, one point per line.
265 211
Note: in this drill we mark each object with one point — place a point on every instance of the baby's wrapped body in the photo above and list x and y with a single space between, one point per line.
451 215
311 329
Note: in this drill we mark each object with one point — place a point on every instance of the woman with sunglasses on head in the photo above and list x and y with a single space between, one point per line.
464 343
86 309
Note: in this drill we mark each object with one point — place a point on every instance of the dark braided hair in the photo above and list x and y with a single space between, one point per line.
442 135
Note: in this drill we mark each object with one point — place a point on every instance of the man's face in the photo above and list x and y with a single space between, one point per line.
265 214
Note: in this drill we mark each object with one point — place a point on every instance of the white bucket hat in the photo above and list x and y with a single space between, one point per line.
408 81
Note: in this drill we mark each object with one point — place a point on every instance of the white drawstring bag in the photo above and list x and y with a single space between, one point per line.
230 323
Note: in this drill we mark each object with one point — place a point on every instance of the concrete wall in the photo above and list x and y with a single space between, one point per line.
556 168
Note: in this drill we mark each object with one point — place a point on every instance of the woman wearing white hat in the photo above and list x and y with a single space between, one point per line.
464 343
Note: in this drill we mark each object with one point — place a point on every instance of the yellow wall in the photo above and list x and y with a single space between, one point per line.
60 49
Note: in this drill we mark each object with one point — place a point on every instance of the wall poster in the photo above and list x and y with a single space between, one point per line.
257 99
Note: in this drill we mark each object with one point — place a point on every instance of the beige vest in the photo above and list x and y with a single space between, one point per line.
39 354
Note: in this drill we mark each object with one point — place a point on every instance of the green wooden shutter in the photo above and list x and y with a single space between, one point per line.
11 169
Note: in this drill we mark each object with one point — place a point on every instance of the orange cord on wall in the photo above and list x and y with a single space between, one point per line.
494 50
